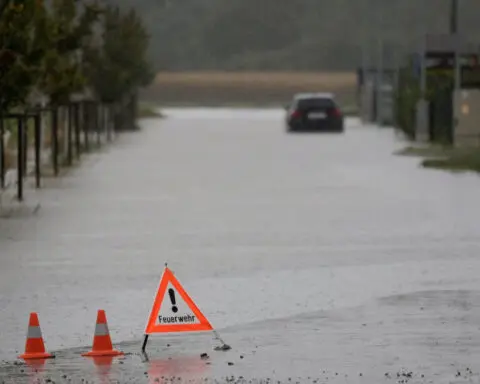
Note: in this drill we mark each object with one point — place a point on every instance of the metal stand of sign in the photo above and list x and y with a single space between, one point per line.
145 341
146 359
224 346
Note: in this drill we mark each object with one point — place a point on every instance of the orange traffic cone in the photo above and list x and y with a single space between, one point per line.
102 344
34 347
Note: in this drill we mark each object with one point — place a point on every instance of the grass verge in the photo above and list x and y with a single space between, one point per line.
426 151
148 111
446 158
459 160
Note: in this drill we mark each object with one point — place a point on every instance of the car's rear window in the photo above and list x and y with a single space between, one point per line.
317 102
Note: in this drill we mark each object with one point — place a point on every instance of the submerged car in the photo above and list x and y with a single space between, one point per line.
314 112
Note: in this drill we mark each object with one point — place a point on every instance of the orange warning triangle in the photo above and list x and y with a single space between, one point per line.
173 310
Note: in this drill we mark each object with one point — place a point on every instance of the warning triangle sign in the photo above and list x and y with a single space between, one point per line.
173 310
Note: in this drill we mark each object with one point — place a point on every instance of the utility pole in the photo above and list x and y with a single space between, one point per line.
458 54
422 116
365 109
380 47
365 44
453 17
457 41
379 81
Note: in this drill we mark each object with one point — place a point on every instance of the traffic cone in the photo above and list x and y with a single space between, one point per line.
34 347
102 344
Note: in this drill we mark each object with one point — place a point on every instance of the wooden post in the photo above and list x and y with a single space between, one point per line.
69 110
20 157
38 127
76 109
2 153
55 140
96 113
86 124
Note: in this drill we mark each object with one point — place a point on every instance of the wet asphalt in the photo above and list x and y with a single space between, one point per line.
317 257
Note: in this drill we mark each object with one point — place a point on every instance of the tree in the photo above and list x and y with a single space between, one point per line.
66 27
116 62
239 29
218 34
20 51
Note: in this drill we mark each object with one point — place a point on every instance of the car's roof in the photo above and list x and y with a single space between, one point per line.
317 95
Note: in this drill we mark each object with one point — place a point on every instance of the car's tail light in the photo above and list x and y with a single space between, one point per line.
295 114
336 112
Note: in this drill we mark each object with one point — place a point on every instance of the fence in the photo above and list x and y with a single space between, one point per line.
43 141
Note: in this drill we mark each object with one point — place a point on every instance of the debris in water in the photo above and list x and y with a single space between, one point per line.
224 347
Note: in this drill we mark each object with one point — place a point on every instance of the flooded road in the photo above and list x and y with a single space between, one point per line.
317 257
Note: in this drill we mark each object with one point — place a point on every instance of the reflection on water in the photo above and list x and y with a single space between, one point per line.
187 369
104 367
35 370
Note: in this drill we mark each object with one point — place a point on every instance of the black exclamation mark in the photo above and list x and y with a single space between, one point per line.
171 293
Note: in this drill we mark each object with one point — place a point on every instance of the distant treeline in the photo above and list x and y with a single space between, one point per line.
289 34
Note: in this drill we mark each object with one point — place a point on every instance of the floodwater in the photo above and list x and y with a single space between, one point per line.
317 257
